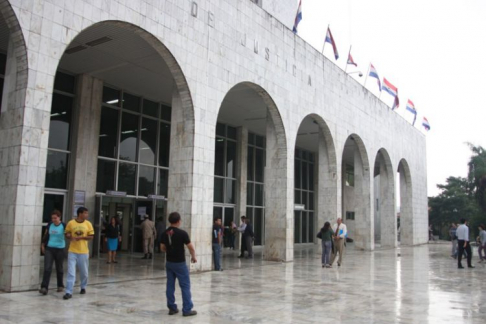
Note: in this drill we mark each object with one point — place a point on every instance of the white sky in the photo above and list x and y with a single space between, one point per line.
433 51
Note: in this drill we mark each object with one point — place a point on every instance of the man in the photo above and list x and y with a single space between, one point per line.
482 243
452 234
340 234
463 244
149 233
79 231
241 229
217 239
248 236
173 242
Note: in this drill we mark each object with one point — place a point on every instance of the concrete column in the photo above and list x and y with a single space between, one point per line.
242 176
279 214
364 219
406 211
388 218
86 131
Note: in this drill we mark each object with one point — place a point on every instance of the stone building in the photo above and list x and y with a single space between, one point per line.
206 107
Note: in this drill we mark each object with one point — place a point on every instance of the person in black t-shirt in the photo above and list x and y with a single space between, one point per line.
217 240
173 242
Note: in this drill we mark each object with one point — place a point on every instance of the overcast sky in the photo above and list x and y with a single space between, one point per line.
434 51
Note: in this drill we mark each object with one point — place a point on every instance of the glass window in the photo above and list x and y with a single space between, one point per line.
127 177
297 199
311 227
3 63
349 175
150 108
297 183
146 181
231 159
166 113
217 213
258 226
129 137
163 182
108 132
259 165
305 182
218 190
251 138
311 176
219 157
250 165
259 141
164 145
231 132
258 194
304 227
131 102
229 216
148 141
220 130
105 176
311 201
111 96
59 130
51 203
249 212
63 82
297 228
56 170
249 194
230 191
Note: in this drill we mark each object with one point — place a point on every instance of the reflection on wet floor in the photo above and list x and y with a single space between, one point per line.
409 285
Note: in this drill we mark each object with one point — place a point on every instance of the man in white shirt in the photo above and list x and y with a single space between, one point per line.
462 234
340 234
241 229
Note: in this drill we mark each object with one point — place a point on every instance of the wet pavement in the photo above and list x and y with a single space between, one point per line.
408 285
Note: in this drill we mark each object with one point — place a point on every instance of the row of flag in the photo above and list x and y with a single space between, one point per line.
387 86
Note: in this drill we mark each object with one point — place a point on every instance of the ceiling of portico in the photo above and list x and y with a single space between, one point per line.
125 60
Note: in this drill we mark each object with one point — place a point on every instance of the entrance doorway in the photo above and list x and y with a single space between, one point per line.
227 215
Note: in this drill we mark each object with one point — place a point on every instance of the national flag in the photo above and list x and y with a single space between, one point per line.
411 108
330 40
390 88
396 103
298 17
374 74
350 60
426 124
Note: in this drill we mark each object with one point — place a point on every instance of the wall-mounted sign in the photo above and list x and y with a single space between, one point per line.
299 207
79 197
116 193
156 197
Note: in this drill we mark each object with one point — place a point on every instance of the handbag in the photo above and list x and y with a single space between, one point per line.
319 235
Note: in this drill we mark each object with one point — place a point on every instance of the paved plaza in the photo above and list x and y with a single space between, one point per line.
408 285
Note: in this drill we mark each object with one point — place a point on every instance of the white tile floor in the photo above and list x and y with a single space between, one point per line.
410 285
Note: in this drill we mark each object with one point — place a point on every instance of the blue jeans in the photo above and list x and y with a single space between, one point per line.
179 271
80 260
217 256
326 252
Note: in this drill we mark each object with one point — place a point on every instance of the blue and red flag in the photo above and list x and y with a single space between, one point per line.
351 61
426 124
411 108
374 74
396 103
298 17
330 40
390 88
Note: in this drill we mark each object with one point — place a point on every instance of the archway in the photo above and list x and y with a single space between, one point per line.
405 196
385 227
356 198
250 167
315 179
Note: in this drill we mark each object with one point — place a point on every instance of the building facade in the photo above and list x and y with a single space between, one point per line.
212 108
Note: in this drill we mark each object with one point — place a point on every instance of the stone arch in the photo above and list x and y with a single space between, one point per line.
326 186
357 197
406 231
385 226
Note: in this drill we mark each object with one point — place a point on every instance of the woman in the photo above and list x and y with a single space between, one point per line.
113 236
52 246
326 236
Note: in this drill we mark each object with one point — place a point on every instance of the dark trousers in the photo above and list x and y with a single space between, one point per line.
243 245
460 252
249 245
53 255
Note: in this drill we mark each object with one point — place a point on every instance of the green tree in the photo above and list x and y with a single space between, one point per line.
477 183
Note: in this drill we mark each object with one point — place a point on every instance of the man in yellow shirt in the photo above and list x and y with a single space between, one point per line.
79 231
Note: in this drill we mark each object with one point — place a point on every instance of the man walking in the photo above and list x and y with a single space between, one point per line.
149 233
173 242
79 231
340 234
463 244
248 236
217 239
241 229
452 234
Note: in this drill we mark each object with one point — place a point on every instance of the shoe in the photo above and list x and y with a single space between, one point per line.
115 261
43 291
145 257
471 266
329 266
323 266
460 267
150 256
173 311
108 262
221 269
191 313
339 264
241 256
60 289
67 296
83 291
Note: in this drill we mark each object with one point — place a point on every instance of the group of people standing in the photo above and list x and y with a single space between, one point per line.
333 241
461 246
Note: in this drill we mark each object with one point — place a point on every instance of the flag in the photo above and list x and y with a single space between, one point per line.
374 74
426 124
411 108
350 60
396 103
390 88
298 17
330 40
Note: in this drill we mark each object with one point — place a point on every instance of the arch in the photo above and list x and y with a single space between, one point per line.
357 197
321 143
384 200
406 204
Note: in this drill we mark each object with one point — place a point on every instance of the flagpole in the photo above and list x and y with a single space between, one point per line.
347 60
414 118
324 45
368 73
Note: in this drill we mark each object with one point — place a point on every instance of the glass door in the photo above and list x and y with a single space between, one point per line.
142 208
227 215
53 201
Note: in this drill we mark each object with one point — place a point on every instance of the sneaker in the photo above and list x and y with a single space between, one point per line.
173 311
191 313
43 291
471 266
83 291
60 289
67 296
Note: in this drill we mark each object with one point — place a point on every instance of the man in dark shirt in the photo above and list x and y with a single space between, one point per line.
217 239
173 242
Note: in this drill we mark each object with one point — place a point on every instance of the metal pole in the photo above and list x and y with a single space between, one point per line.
367 73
